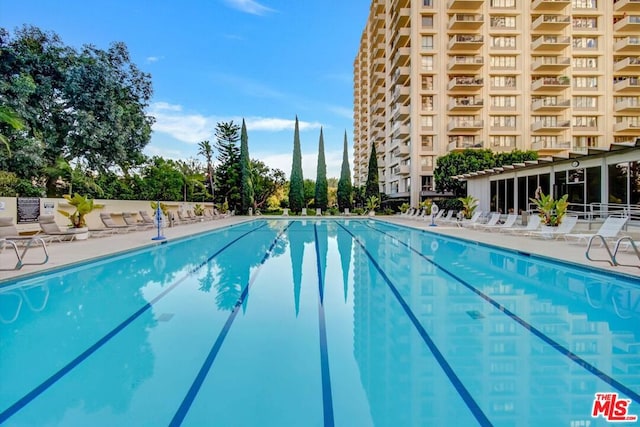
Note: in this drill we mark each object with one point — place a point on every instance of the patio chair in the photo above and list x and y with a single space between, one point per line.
473 220
110 224
532 225
304 212
565 227
508 223
493 220
146 218
346 212
131 219
318 212
446 218
285 212
609 230
184 219
49 227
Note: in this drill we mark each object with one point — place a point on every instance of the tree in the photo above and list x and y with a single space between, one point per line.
205 149
161 180
309 188
245 171
372 187
228 174
321 191
296 181
344 184
266 182
86 107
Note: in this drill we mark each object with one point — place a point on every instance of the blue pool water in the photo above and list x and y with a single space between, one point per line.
317 323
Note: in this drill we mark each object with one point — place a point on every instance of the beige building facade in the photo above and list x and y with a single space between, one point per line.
436 76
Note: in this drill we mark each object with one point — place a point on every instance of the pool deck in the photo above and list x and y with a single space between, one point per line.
65 253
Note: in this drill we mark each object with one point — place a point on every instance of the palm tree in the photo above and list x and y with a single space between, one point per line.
205 149
12 119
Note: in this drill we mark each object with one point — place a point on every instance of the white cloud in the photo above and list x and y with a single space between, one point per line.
152 59
278 125
347 113
249 6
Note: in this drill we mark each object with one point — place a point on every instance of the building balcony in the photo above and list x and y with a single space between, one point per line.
627 44
400 112
550 23
554 43
465 83
401 93
461 21
542 105
550 5
464 145
378 78
401 56
378 107
401 74
626 5
465 63
627 85
464 104
464 4
631 63
465 42
378 121
551 84
628 105
402 37
402 131
552 64
627 126
403 16
550 146
401 170
378 65
457 125
550 126
628 23
402 150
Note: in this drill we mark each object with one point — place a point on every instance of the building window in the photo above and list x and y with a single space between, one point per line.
427 3
508 42
502 101
584 62
584 142
426 63
503 3
588 22
585 42
427 103
426 123
502 121
624 187
585 121
427 142
585 102
505 141
427 21
427 42
585 82
584 4
427 82
502 21
503 82
502 61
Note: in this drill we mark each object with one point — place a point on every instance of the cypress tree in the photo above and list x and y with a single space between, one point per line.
322 187
372 186
344 183
245 171
296 182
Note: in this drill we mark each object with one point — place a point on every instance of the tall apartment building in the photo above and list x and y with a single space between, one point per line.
436 76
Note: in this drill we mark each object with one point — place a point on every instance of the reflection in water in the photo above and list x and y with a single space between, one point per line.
322 242
345 242
509 370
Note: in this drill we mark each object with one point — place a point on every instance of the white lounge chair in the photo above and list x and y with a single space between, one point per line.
493 220
304 212
508 223
318 212
532 225
565 227
473 220
609 229
346 212
285 212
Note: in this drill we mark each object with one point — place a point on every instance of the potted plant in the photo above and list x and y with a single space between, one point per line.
426 205
469 205
83 206
551 211
373 203
404 207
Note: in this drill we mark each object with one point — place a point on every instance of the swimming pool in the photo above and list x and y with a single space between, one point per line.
318 322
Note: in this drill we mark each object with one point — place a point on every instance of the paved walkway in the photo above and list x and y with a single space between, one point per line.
72 252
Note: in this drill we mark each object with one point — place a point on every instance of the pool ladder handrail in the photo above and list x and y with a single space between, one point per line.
612 255
20 256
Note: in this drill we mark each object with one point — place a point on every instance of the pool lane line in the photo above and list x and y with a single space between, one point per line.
535 331
182 411
42 387
442 361
327 400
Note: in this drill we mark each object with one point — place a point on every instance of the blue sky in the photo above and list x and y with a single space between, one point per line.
222 60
